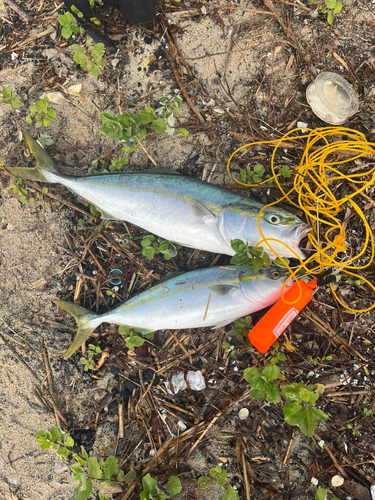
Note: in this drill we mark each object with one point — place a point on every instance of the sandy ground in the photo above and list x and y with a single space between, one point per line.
234 56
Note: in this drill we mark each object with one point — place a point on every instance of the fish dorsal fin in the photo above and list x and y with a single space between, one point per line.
161 170
199 211
169 276
221 290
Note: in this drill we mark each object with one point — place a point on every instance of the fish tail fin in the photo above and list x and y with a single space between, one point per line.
86 321
44 164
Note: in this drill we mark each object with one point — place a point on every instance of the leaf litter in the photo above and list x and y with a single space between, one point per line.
252 69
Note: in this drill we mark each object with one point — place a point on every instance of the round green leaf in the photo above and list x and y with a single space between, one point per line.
293 413
321 494
319 414
271 373
249 373
203 483
174 486
258 394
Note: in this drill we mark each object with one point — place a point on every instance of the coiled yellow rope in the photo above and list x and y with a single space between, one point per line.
315 181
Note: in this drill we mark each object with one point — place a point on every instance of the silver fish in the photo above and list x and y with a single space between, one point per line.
215 296
180 209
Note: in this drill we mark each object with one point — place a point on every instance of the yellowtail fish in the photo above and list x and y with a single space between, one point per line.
180 209
215 296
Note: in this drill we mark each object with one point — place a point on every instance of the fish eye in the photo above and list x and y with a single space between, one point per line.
274 219
275 275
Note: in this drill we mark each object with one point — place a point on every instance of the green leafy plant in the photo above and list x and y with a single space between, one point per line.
76 11
218 476
300 409
117 164
89 56
131 128
247 255
285 172
69 24
92 352
134 337
329 7
352 428
277 356
7 96
281 263
41 113
152 247
367 412
262 383
252 176
315 361
255 176
24 193
86 469
241 327
169 108
351 281
151 491
321 494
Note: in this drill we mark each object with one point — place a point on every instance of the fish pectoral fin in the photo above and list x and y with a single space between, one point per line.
221 290
198 210
222 323
161 170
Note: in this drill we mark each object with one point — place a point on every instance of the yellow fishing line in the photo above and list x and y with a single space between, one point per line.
316 180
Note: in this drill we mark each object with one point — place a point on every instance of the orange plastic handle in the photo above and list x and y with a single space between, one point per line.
275 321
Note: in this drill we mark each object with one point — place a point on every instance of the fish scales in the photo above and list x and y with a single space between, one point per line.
202 298
159 205
181 209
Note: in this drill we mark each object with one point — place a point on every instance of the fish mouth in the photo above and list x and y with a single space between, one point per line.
295 236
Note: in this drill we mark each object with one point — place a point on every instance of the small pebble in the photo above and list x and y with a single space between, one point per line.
243 414
59 468
337 481
181 425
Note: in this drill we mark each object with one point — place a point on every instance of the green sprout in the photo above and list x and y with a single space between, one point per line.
329 7
247 255
134 337
7 96
152 247
300 409
92 352
69 24
41 113
89 56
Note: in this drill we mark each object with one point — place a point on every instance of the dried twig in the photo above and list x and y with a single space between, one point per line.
264 12
327 449
182 88
19 10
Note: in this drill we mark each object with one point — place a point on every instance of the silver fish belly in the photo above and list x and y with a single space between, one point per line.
202 298
181 209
